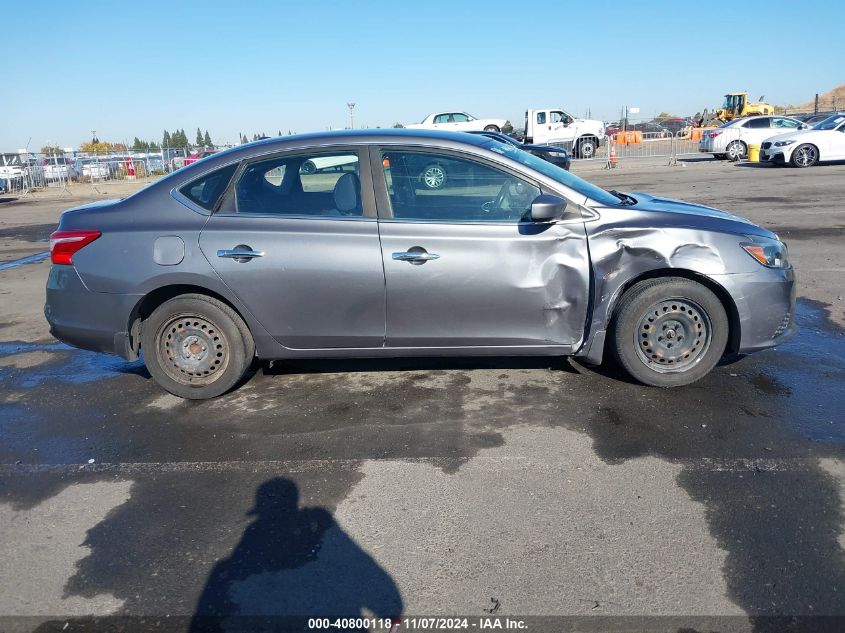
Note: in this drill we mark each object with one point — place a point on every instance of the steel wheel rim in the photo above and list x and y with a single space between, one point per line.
434 177
587 150
192 350
806 156
673 335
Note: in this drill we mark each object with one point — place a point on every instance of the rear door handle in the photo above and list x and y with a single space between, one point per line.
239 254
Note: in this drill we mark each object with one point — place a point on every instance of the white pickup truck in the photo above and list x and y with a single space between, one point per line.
555 126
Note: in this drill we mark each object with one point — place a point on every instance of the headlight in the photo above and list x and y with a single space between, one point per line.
770 253
783 143
558 154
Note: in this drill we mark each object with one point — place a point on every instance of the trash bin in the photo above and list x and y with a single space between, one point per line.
753 153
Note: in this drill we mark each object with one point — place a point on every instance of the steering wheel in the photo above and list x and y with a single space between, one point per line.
495 206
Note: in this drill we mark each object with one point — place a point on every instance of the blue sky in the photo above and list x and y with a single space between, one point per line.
130 69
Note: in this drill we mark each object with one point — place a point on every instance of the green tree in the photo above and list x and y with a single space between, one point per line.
207 140
165 139
140 145
398 125
199 141
52 149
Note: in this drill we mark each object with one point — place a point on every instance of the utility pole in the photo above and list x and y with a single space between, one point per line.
351 106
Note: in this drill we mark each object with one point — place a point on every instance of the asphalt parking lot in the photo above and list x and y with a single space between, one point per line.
523 487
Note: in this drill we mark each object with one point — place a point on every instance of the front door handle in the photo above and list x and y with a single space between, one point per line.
416 255
240 253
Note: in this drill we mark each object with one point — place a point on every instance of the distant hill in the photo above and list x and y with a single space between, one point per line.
830 100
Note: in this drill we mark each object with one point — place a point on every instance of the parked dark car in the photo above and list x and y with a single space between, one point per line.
552 153
242 255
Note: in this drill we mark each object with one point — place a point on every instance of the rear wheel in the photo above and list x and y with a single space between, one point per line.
492 128
196 346
669 332
433 176
736 150
804 156
586 148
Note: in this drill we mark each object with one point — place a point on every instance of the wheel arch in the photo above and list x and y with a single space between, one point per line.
154 298
735 328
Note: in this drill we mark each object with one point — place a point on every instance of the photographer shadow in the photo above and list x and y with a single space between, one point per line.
292 564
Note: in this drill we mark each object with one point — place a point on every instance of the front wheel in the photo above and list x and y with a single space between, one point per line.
804 156
669 332
196 346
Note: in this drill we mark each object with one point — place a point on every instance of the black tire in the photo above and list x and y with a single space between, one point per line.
719 156
736 150
434 176
307 168
218 347
492 128
669 332
586 148
805 155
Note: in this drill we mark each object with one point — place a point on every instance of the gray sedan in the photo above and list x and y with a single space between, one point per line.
331 245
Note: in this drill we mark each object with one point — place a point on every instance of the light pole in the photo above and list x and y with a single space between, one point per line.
351 106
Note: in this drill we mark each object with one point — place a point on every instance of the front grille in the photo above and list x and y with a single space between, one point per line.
783 325
766 145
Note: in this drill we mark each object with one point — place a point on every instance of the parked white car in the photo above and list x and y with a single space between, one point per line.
462 122
825 141
93 168
58 168
732 139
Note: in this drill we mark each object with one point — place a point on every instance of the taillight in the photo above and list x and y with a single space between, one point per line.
63 244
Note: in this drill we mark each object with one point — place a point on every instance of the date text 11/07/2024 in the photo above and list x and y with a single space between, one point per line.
393 625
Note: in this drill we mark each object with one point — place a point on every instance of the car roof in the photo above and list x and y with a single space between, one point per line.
354 137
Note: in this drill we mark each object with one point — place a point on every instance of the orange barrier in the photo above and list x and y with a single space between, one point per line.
695 134
635 137
622 138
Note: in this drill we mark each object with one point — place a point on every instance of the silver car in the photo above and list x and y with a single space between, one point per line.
247 255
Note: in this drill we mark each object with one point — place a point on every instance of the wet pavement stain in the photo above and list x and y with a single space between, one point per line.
779 527
23 261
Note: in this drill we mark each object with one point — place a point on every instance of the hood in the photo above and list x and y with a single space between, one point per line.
698 215
544 148
798 135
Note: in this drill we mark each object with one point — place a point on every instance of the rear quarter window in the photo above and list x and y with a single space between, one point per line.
206 190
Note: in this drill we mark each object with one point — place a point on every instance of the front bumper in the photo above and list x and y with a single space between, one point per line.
775 155
765 303
96 321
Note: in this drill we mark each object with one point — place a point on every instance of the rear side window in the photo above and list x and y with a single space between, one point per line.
207 190
757 123
321 184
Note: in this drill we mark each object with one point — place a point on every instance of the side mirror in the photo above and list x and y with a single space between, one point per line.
547 208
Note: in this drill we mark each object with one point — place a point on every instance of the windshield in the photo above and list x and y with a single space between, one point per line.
831 122
555 173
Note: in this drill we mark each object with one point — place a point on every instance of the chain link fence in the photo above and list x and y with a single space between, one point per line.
38 174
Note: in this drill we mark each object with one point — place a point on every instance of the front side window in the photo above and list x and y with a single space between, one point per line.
324 184
427 186
460 117
786 123
206 190
556 117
